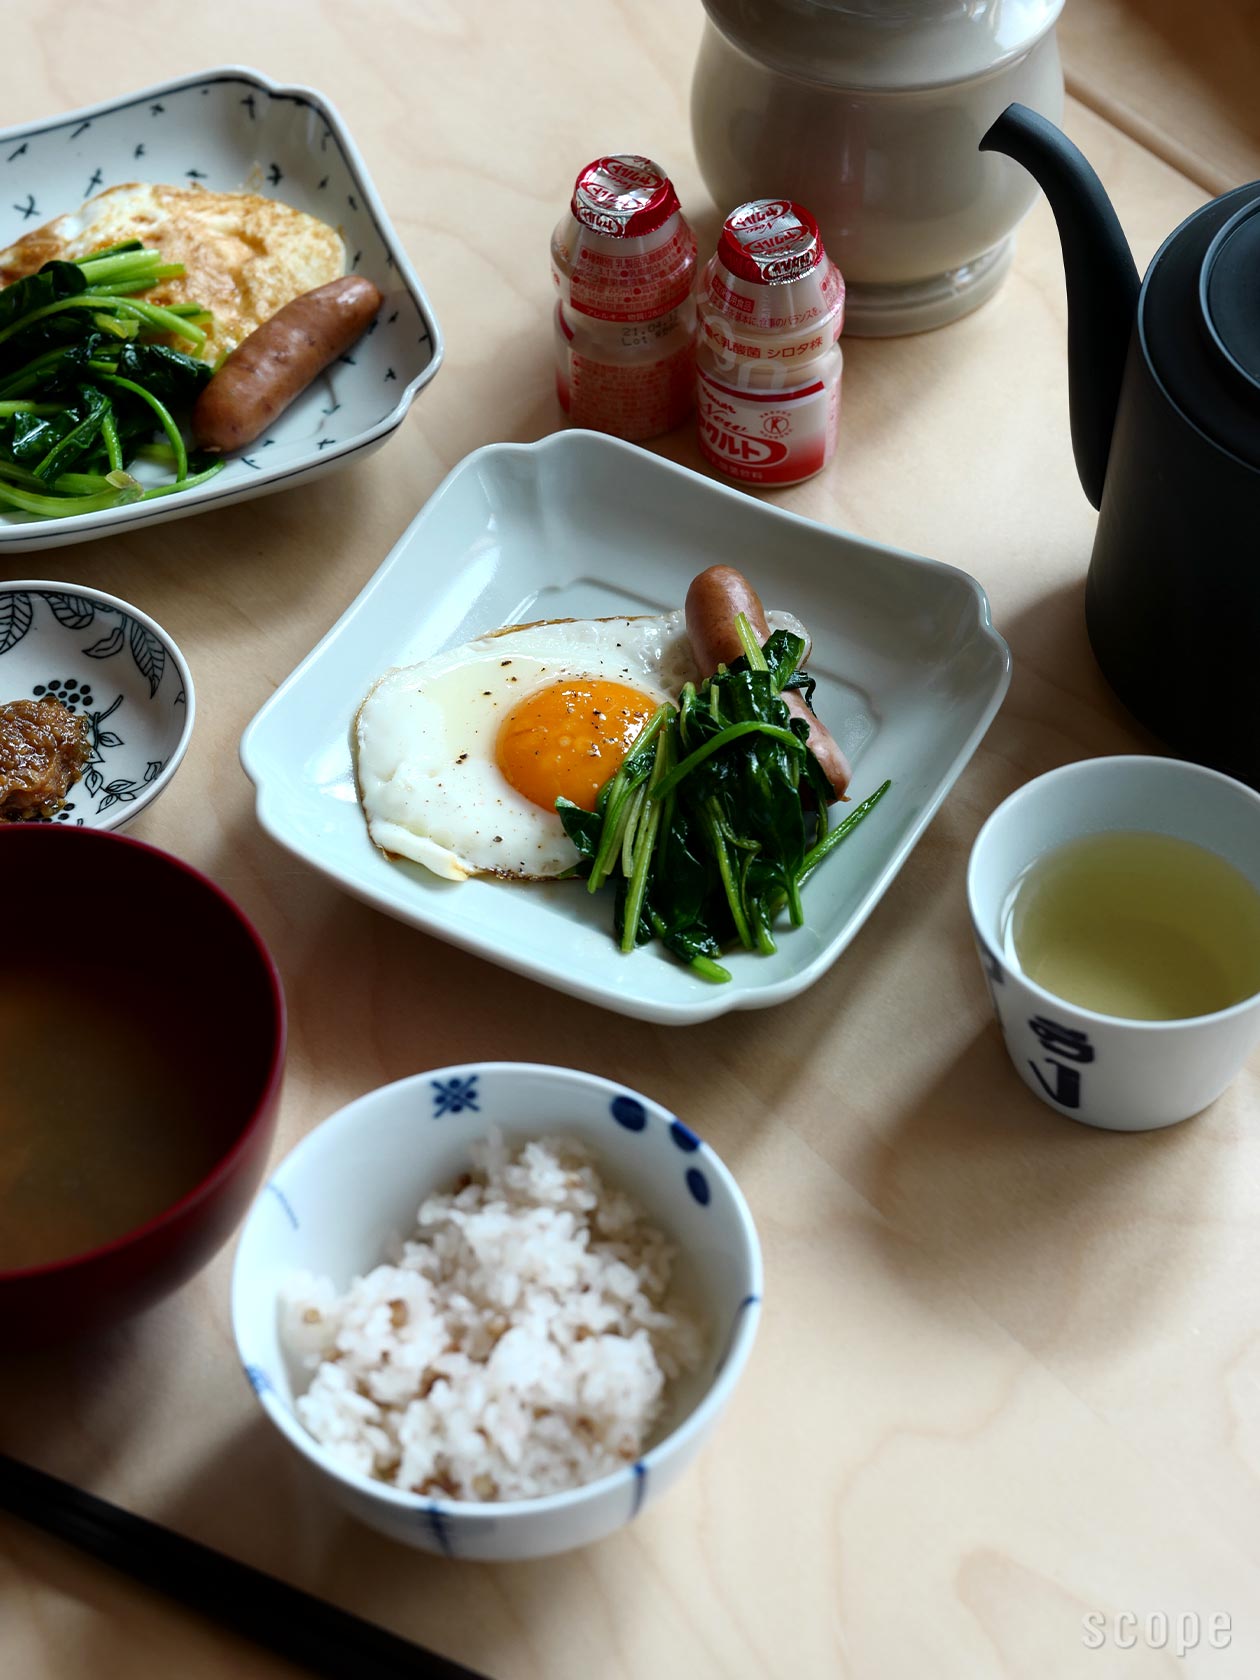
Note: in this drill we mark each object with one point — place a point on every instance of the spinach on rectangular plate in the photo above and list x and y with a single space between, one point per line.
717 816
88 380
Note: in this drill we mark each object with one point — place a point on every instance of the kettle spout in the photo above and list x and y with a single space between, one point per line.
1102 279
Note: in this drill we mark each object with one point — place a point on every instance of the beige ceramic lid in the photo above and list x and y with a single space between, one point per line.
884 44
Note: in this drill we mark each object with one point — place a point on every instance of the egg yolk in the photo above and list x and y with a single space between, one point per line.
566 740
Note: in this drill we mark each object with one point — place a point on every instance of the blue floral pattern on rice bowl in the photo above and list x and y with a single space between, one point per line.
405 1141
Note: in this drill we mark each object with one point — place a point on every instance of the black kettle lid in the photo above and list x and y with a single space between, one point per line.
1200 320
1229 295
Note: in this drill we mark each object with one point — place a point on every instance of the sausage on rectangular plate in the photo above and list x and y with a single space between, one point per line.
279 360
714 601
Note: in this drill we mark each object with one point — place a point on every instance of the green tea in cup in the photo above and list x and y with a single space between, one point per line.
1140 925
1116 909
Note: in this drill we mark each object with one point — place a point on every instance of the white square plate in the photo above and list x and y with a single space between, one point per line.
232 129
910 674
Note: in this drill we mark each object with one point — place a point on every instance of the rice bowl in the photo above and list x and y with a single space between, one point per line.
520 1344
348 1195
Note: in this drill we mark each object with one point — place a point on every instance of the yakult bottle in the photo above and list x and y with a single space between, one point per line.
624 264
768 358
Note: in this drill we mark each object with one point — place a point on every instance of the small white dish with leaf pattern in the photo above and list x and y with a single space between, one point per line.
233 129
110 662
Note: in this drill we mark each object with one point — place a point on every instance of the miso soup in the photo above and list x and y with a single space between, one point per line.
107 1116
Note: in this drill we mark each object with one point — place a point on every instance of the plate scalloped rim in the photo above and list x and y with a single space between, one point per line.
406 904
20 537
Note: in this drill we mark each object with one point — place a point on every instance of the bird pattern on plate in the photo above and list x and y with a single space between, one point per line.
230 132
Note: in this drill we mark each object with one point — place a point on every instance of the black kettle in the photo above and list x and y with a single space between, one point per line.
1165 406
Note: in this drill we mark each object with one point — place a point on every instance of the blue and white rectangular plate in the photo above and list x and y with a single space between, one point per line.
232 129
910 675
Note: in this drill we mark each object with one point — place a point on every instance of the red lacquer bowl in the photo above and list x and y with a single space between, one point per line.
116 904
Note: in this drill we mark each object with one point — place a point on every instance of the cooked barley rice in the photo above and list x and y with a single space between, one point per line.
520 1343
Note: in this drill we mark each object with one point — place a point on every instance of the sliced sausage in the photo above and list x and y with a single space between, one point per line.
279 360
714 601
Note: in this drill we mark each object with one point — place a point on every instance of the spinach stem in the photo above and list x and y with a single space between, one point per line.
616 815
646 845
841 832
131 288
115 327
168 425
113 445
163 320
732 732
62 507
632 824
189 483
109 251
686 705
634 769
82 300
715 829
748 641
121 265
761 927
795 908
65 484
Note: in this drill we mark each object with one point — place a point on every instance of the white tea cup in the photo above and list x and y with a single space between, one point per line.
1124 1075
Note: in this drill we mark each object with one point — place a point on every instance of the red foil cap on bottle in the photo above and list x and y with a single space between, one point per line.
769 241
623 196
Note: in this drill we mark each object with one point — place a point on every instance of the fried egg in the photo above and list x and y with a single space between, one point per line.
246 256
462 757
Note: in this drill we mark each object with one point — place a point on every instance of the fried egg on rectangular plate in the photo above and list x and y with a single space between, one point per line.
246 256
461 758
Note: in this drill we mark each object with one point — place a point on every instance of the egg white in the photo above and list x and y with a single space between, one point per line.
246 256
429 783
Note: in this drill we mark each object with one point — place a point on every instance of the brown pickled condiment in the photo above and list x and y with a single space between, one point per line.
43 748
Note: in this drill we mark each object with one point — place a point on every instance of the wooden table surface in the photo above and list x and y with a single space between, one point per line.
1009 1368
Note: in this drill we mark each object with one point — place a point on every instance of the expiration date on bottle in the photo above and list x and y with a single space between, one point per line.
637 335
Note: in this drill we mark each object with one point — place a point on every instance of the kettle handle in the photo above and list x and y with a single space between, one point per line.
1102 279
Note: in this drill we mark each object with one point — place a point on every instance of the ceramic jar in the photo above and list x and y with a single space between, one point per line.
871 112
